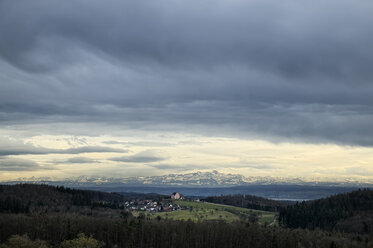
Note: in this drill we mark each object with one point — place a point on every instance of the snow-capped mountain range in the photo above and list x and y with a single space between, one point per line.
196 179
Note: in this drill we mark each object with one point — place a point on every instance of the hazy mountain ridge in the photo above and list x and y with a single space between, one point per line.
195 179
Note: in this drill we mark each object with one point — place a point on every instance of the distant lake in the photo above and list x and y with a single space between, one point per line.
275 192
289 199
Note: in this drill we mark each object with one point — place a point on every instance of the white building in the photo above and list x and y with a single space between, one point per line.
175 196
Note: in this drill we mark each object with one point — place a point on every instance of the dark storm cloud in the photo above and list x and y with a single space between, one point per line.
288 69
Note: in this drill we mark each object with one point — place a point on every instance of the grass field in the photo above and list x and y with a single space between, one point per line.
203 211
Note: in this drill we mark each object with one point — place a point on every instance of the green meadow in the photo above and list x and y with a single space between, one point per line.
203 211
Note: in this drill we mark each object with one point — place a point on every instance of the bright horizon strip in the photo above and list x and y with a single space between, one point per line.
175 152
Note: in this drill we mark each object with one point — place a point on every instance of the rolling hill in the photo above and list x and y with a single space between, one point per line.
349 212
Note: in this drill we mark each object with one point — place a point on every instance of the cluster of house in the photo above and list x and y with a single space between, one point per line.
154 206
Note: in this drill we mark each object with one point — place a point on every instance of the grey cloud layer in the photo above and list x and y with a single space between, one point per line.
138 159
9 147
17 164
146 156
185 167
287 69
81 160
4 151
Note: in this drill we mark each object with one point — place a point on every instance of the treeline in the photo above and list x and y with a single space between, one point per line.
48 216
128 196
55 230
247 201
349 212
22 198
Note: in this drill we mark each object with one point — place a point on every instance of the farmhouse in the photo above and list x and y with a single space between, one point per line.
175 196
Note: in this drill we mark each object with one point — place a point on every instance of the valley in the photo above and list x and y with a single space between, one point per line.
48 216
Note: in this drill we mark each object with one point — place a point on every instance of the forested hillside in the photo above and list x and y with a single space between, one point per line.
142 232
67 218
247 201
22 198
350 212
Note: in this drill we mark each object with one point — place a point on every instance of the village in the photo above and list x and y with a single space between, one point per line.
150 205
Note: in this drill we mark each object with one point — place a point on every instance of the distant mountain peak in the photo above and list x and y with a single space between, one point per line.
212 178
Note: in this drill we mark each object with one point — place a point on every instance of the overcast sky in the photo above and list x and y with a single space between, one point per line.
129 87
